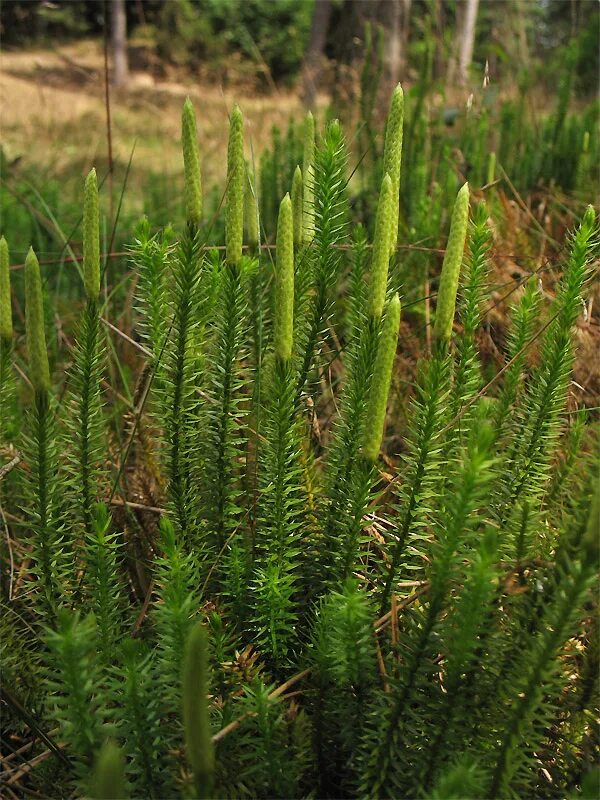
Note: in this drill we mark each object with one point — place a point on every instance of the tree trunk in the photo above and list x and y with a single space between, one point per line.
119 43
313 58
467 41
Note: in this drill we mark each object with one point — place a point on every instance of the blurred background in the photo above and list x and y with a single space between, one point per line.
88 82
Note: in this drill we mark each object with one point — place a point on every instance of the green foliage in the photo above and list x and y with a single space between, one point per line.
180 378
331 229
109 774
199 746
234 201
103 593
35 326
226 436
539 418
6 330
73 700
7 381
84 440
269 609
271 38
91 237
308 176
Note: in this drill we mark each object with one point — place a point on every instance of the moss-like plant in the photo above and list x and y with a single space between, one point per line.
6 328
298 208
7 381
191 164
236 171
392 157
446 301
308 175
298 588
199 746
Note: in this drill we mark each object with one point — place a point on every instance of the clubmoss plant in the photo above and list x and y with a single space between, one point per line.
7 381
39 371
85 438
444 316
191 165
6 328
199 746
330 230
108 782
251 213
281 512
41 486
308 176
297 208
491 169
75 702
359 484
430 410
392 158
284 285
91 237
273 610
538 420
181 370
380 384
236 171
384 228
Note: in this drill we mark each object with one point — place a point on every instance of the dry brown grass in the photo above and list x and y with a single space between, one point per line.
53 112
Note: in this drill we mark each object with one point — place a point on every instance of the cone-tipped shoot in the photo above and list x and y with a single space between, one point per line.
491 168
191 164
283 322
308 177
380 386
39 372
91 237
198 739
6 329
109 774
446 300
251 212
392 155
384 222
297 201
236 170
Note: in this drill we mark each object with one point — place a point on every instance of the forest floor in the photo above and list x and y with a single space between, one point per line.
54 113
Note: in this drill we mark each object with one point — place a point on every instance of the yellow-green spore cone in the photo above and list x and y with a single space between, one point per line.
384 222
6 329
392 155
198 737
191 164
297 201
380 386
91 237
108 782
283 322
491 168
251 212
236 170
39 372
308 175
446 299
